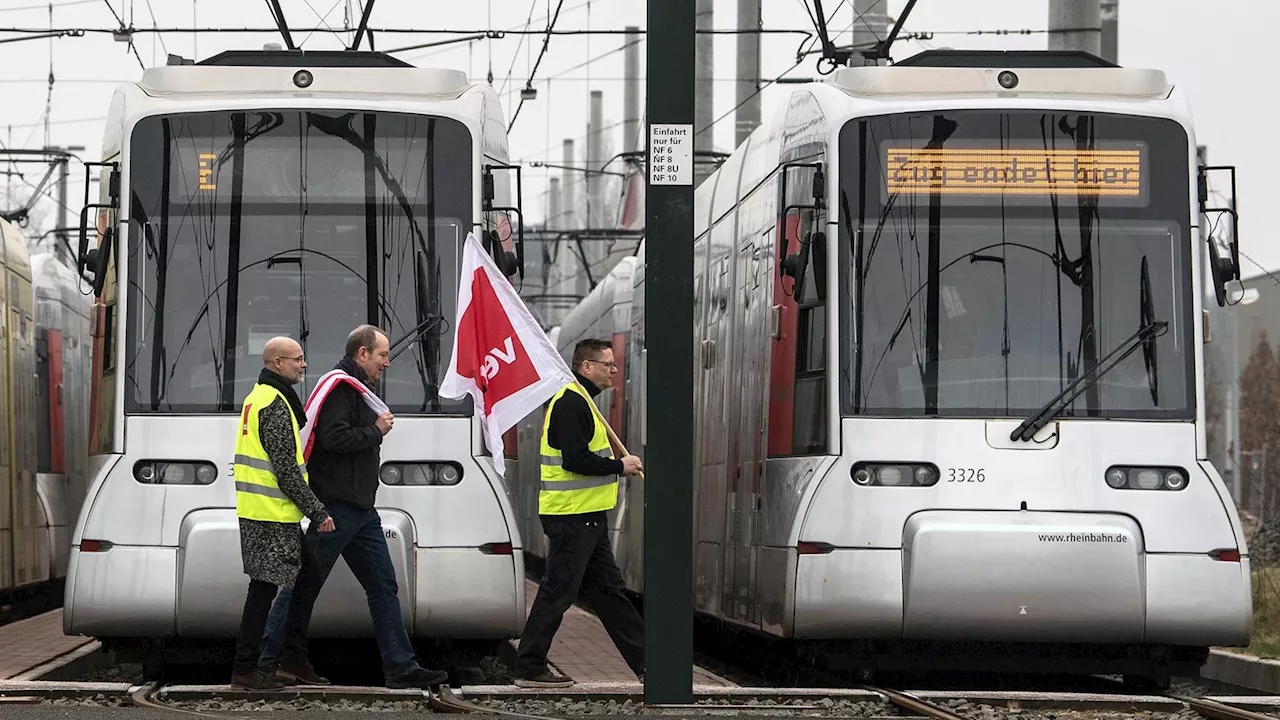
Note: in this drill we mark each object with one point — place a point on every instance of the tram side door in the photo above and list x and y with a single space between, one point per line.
752 387
716 534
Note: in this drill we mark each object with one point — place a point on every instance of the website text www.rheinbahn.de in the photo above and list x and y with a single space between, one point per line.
1084 537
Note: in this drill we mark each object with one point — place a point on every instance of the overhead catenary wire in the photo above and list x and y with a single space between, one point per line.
121 28
748 98
45 6
545 42
324 20
498 34
533 6
408 31
160 37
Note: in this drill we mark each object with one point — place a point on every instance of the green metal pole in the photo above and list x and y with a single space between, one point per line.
668 299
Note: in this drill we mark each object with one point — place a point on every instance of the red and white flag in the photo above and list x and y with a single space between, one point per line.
501 356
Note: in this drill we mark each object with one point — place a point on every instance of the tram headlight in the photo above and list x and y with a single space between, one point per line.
303 78
926 476
1136 477
1147 479
449 475
390 474
909 474
206 474
421 473
174 472
177 474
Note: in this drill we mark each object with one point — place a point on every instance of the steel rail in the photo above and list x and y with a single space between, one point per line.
145 697
1218 711
445 701
917 706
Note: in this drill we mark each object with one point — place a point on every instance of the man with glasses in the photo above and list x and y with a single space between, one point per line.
272 496
579 477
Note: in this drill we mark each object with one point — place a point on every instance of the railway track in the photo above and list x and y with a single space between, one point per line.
442 701
872 701
767 670
1210 709
823 691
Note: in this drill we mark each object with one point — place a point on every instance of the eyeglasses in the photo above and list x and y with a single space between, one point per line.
611 365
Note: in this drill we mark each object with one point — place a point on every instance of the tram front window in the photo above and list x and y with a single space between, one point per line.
990 259
330 219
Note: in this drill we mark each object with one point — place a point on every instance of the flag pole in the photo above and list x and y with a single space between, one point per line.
618 447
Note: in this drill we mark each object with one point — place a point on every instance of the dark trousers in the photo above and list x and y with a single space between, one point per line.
358 538
257 605
579 557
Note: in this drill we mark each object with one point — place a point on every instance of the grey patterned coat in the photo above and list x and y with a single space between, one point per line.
272 551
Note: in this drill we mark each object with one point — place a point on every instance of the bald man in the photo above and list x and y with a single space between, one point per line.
272 496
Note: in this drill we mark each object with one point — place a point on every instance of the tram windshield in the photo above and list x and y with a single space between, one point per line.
990 259
246 225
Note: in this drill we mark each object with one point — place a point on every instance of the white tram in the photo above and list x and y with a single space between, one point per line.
268 193
966 418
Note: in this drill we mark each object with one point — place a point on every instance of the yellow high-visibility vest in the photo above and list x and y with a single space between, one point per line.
568 493
258 494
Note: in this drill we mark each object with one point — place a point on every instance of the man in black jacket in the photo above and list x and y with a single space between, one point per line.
576 455
343 467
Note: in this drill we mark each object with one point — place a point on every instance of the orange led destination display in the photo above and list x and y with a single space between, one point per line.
952 171
206 171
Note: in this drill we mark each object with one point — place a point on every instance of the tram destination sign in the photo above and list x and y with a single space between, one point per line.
1000 172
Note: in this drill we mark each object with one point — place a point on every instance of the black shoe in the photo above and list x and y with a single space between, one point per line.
257 679
419 678
545 679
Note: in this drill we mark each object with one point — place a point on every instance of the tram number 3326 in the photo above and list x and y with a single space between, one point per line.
958 475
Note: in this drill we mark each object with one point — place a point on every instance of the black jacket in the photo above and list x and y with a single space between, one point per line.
570 430
345 458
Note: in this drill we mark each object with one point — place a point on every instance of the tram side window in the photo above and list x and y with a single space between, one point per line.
810 426
106 230
797 409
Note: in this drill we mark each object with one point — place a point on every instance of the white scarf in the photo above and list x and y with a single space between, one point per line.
327 383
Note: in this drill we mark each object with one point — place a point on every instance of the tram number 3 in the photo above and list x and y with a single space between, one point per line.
958 475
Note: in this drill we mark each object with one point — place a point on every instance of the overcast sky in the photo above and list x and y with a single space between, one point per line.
1218 57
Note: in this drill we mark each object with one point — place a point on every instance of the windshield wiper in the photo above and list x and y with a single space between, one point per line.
410 337
1041 417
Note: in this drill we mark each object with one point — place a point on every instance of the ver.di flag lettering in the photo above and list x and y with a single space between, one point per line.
501 356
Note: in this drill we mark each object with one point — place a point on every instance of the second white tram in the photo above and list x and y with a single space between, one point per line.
948 388
267 193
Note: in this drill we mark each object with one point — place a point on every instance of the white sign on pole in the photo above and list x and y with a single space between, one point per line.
671 155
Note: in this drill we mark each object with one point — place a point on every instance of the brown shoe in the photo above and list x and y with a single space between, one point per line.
257 679
301 673
545 679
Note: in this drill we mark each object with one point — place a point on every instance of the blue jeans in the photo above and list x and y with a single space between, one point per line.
273 635
358 538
